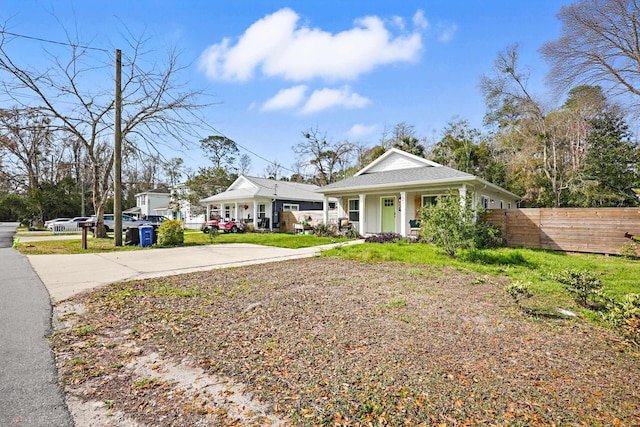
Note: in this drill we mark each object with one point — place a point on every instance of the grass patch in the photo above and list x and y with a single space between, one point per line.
191 238
618 274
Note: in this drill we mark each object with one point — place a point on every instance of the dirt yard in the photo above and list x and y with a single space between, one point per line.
326 341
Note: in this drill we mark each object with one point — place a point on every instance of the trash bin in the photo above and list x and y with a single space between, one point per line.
132 237
146 235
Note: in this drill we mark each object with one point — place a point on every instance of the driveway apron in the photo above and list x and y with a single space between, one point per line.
29 391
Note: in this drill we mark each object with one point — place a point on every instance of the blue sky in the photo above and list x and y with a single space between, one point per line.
274 69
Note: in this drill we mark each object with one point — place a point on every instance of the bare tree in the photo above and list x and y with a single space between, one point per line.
273 170
532 137
154 104
244 164
599 44
327 159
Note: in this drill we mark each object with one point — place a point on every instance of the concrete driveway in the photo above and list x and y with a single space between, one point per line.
67 275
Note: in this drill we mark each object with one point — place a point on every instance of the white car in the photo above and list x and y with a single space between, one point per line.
51 221
127 222
68 226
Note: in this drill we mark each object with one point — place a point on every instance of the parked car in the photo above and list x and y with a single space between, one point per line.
51 221
109 219
226 225
154 220
70 225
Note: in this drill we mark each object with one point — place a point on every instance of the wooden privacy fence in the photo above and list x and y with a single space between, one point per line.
594 230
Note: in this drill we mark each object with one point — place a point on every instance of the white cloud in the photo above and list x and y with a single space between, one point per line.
419 20
327 98
446 32
360 130
280 46
398 21
285 98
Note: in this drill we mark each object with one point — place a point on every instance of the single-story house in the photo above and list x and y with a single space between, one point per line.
386 194
259 201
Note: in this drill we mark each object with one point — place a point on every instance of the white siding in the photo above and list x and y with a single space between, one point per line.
395 162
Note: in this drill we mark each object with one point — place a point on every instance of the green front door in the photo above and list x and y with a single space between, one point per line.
388 214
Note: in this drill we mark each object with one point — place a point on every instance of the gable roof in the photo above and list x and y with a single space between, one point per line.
397 168
247 187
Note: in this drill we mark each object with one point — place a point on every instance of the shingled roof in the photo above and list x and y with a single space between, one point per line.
252 187
418 175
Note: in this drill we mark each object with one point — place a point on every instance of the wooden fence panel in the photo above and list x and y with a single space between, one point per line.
594 230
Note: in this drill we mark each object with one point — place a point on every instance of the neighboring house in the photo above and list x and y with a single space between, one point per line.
162 201
386 195
259 201
179 208
148 202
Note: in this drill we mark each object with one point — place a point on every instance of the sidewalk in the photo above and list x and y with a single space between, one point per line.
67 275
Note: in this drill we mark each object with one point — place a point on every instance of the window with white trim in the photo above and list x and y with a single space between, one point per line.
429 200
262 211
290 207
354 209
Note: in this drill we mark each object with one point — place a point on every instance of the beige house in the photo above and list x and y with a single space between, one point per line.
386 195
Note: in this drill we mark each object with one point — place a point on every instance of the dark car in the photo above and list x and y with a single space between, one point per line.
154 220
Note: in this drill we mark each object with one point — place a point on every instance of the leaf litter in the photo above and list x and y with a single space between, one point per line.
327 341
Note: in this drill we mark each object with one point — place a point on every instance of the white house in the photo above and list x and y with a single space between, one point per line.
260 200
149 202
386 194
170 203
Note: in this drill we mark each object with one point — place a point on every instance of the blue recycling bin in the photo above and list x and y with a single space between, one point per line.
146 235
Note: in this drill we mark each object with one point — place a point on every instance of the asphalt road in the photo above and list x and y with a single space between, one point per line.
29 391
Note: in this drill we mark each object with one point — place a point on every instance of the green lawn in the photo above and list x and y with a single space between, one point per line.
619 275
191 238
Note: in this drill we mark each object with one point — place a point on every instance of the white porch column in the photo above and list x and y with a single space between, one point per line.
463 196
235 211
255 213
361 216
208 218
341 213
403 213
325 210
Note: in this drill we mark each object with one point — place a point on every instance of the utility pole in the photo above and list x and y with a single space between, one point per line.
117 154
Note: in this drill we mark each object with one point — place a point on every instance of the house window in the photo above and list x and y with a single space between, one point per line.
484 202
508 205
262 211
289 207
354 209
429 200
332 206
227 211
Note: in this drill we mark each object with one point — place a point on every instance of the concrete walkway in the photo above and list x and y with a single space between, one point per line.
67 275
29 390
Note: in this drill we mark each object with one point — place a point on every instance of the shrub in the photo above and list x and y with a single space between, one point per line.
325 230
519 290
170 233
629 249
626 316
384 238
582 284
450 225
351 233
487 235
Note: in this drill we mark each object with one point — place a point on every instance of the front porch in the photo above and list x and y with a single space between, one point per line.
388 212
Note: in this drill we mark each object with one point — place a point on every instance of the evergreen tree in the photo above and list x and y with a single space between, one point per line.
610 172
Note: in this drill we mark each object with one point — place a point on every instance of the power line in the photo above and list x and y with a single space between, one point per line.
22 36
